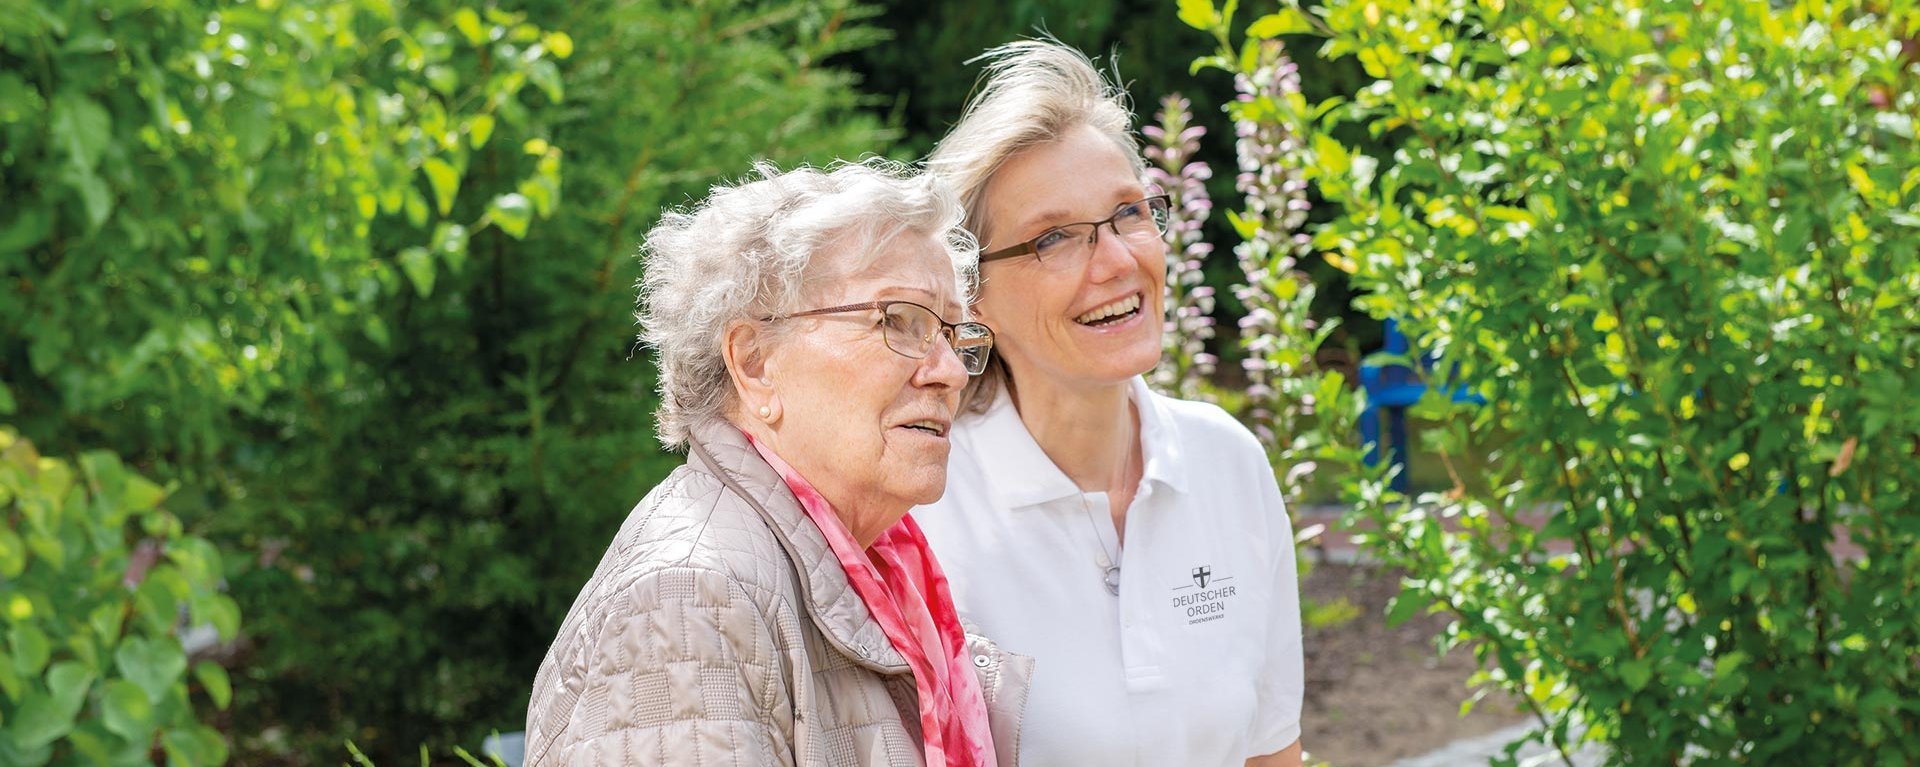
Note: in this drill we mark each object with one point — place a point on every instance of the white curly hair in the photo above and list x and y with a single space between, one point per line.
746 252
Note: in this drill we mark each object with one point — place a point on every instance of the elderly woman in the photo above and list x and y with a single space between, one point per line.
1134 545
771 602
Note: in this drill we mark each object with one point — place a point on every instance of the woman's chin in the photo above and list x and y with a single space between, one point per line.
1132 345
1118 362
919 485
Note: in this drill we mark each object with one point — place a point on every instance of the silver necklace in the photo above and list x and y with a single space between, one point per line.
1109 566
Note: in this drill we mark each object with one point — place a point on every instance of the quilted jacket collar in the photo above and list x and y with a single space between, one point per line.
825 593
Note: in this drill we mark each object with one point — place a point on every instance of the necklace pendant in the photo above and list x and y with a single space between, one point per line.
1113 580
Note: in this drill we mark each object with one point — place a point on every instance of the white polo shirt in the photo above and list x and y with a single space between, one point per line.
1197 661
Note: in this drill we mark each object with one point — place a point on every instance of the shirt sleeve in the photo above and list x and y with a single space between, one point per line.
1281 686
685 672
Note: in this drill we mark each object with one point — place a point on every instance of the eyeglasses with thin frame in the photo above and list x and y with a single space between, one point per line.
1068 245
909 329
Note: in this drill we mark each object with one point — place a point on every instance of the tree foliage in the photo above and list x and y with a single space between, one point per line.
1676 245
357 276
194 193
470 479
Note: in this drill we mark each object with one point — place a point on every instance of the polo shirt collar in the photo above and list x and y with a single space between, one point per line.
1160 438
1020 474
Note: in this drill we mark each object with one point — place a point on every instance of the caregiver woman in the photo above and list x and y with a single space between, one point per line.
769 603
1135 545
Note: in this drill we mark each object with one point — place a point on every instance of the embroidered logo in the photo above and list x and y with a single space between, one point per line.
1200 603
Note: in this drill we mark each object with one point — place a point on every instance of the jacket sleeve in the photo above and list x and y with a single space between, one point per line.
683 669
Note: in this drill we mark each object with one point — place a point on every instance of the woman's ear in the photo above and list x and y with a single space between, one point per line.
745 354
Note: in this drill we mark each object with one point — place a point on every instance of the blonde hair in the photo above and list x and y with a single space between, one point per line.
745 252
1032 93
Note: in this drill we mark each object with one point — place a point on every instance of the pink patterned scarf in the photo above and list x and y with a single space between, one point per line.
905 590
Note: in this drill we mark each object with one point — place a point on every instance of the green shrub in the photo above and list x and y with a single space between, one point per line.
1677 246
95 576
357 276
450 494
216 212
209 203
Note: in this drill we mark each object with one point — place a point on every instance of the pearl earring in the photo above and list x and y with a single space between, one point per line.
766 412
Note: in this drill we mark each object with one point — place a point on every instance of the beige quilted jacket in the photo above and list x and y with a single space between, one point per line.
720 630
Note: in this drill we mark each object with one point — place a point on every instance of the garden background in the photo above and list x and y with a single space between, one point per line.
320 394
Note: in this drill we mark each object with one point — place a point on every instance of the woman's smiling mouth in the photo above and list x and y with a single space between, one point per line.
1112 313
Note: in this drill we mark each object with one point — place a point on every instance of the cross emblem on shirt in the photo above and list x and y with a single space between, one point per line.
1201 574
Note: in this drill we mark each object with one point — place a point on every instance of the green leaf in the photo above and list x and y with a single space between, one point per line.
479 131
450 242
13 554
1287 21
1728 663
468 23
253 128
1333 156
544 74
193 746
1636 673
1199 14
1404 605
126 710
198 560
30 649
96 198
68 682
538 192
1207 62
221 611
106 621
560 43
141 494
83 128
443 79
512 213
418 265
376 330
1243 226
154 664
416 206
39 721
48 548
44 717
169 575
155 605
17 99
29 228
213 678
97 746
11 685
444 180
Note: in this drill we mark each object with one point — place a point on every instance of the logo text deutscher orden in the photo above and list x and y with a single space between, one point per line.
1207 604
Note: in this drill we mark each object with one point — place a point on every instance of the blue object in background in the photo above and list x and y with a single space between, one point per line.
1393 387
509 747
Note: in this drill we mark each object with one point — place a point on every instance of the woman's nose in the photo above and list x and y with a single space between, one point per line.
1110 257
941 366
